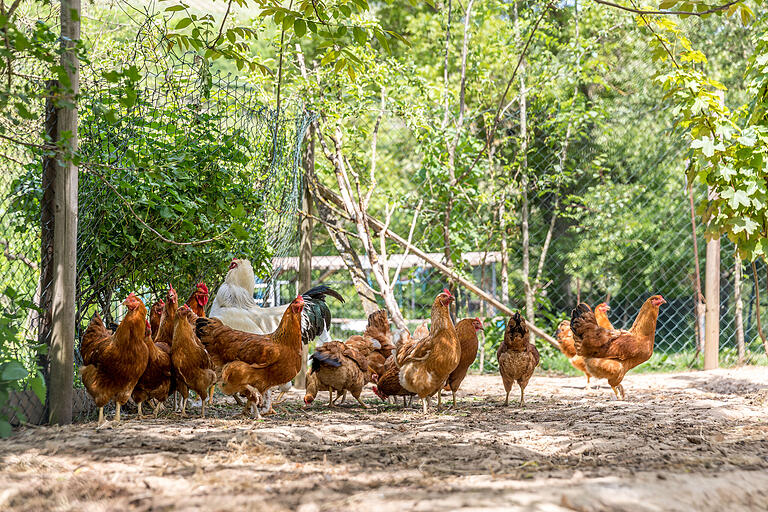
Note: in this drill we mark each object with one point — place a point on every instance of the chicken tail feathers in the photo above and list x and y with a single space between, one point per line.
316 316
324 358
318 293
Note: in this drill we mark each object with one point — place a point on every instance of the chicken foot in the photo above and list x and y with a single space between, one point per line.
101 416
506 401
522 396
158 407
141 416
117 413
618 389
359 400
255 398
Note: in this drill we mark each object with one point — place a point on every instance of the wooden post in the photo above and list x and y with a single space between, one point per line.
63 308
712 291
739 314
305 248
47 232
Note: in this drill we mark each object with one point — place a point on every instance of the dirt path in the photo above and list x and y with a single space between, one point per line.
689 441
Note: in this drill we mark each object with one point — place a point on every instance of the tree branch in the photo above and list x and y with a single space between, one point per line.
497 116
17 256
684 13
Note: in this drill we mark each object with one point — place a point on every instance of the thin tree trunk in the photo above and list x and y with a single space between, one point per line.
504 251
524 213
447 102
739 317
452 148
699 307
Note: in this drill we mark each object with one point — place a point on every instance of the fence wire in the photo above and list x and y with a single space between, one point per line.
170 124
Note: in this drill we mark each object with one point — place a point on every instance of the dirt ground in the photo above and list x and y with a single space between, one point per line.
686 441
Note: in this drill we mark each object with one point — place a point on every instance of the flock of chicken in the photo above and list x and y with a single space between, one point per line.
250 351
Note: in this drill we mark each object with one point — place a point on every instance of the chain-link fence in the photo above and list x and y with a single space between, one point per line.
182 168
594 197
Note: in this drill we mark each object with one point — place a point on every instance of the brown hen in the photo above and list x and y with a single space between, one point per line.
113 363
193 366
611 353
517 356
426 365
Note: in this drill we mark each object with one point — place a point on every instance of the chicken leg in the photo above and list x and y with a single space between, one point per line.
454 398
439 398
506 401
117 413
330 395
361 402
256 397
141 416
424 404
158 407
522 396
101 416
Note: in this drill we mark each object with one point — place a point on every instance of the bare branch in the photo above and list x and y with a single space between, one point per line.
497 116
666 13
374 143
410 239
17 256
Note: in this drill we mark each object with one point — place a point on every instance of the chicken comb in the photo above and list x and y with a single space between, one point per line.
202 285
446 290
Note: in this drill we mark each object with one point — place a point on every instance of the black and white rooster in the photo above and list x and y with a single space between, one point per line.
235 307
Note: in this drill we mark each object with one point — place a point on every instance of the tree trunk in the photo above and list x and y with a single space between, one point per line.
452 148
504 251
739 316
524 213
43 323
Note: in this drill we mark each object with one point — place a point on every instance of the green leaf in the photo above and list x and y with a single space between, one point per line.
667 4
300 27
37 384
5 428
13 371
360 35
183 23
740 197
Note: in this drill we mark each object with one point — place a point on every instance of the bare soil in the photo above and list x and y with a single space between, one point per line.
686 441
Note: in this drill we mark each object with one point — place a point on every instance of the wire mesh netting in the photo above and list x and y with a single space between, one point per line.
608 217
218 176
593 197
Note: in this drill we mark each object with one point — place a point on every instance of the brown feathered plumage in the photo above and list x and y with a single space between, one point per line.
388 383
113 363
273 359
341 368
466 332
517 356
155 382
191 362
564 337
611 353
426 365
155 315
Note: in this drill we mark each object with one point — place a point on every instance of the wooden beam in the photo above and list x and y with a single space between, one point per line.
63 305
331 196
305 248
712 291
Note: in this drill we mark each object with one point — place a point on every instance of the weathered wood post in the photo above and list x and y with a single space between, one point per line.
712 317
62 350
305 246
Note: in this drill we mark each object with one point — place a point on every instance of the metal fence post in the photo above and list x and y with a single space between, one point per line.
65 226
